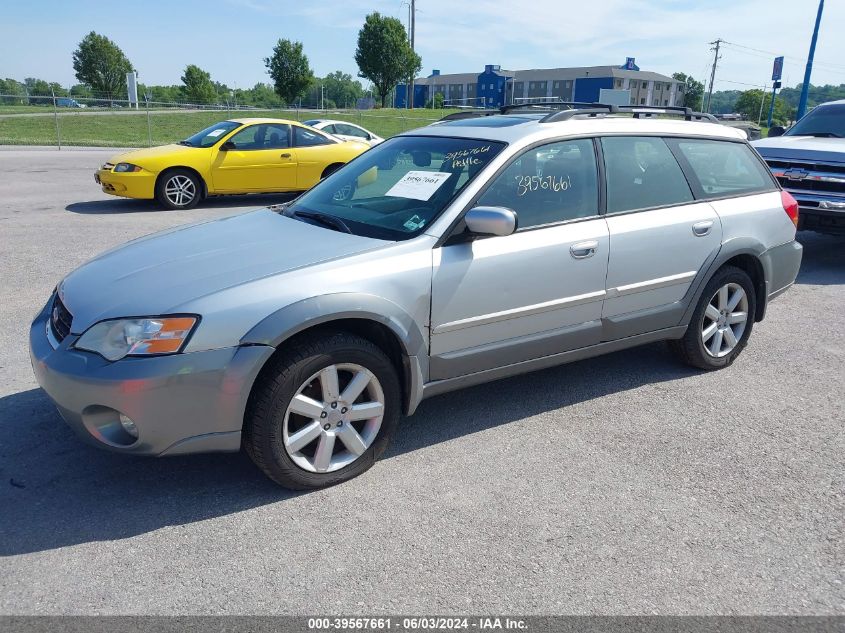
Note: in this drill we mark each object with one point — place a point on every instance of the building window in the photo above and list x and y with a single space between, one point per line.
568 84
492 86
645 85
666 102
642 101
618 83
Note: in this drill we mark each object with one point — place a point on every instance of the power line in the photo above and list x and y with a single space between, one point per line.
798 60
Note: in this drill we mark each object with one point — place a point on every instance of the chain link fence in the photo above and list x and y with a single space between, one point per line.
98 122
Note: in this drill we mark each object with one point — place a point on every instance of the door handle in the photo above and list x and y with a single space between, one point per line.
700 229
285 155
583 250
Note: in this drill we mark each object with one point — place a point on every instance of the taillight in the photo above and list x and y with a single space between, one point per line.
790 205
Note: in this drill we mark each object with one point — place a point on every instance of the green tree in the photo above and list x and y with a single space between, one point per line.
341 89
748 103
81 91
384 55
38 91
197 85
289 69
99 63
13 91
436 102
693 90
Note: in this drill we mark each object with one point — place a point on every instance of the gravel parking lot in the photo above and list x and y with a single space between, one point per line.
623 484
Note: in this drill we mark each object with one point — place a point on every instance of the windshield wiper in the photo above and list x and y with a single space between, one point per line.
188 143
822 134
325 219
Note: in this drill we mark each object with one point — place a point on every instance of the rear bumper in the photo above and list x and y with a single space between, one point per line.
783 263
140 185
182 403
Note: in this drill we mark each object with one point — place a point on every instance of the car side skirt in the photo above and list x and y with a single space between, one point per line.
452 384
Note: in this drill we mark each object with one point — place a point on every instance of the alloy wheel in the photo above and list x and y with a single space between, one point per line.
725 320
333 418
180 190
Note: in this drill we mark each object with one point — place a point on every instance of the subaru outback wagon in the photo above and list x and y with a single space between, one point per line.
445 257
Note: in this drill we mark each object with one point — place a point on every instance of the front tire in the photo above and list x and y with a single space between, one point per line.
178 189
322 412
722 321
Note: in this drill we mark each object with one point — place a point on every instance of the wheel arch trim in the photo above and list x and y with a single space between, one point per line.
731 248
297 317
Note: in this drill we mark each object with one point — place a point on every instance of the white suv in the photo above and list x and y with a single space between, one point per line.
445 257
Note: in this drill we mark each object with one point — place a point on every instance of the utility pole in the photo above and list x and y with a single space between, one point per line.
805 89
413 27
716 58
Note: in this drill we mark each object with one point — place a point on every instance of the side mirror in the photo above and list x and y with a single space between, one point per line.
776 130
228 145
496 221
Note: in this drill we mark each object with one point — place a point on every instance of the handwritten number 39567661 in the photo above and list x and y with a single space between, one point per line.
527 184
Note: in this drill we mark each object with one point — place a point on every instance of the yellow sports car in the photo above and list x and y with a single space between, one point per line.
237 156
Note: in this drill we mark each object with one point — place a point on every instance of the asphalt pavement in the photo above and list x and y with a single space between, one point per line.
623 484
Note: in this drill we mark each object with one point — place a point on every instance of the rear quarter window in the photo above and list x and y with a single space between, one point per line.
724 168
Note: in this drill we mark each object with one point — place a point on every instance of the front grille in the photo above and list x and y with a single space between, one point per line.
60 319
812 177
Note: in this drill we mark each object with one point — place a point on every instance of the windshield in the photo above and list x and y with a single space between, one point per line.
210 135
399 187
823 121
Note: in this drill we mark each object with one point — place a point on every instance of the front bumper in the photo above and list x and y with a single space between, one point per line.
181 403
139 184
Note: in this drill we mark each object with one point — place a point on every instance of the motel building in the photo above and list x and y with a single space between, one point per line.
621 85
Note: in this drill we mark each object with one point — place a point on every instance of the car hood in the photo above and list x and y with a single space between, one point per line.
161 273
138 156
829 150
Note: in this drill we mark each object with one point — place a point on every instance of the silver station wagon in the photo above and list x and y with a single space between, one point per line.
452 255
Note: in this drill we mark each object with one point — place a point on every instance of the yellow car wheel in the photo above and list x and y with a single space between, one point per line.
178 189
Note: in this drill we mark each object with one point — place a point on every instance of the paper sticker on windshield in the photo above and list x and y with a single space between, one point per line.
414 222
217 132
419 185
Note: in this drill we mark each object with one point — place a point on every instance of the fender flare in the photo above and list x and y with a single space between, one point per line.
731 248
297 317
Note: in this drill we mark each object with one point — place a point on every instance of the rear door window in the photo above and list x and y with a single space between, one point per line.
642 173
724 168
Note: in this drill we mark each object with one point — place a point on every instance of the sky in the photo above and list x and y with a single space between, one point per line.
230 38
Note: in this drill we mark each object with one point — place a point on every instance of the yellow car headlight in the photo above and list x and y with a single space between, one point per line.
121 168
117 338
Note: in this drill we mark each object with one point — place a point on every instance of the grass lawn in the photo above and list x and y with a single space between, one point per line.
137 130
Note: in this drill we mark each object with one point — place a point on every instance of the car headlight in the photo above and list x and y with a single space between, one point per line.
124 167
117 338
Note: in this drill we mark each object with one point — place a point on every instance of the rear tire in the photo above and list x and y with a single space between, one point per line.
322 412
722 321
178 189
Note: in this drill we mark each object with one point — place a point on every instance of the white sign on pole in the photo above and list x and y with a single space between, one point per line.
132 88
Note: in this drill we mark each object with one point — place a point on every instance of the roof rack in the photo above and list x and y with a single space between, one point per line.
638 111
468 114
546 104
580 108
